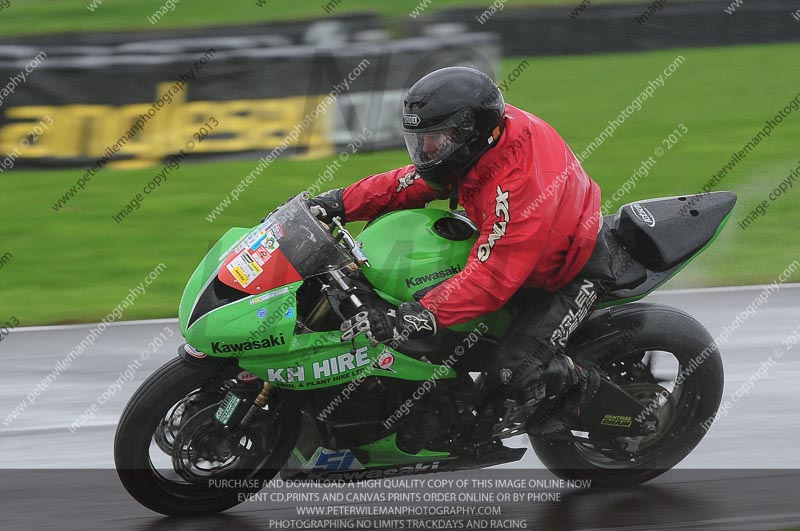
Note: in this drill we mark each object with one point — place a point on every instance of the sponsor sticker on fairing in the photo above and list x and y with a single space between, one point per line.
271 244
378 473
277 231
190 350
270 295
254 239
262 241
385 361
244 268
328 368
246 376
262 255
333 460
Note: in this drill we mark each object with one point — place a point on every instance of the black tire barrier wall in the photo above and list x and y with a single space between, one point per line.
258 95
611 28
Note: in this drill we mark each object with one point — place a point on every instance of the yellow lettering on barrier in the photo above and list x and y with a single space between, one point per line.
101 122
130 132
30 116
143 147
235 132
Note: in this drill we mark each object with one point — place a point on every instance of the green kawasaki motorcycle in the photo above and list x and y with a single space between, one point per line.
266 384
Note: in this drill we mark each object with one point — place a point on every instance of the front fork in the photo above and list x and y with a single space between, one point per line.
233 416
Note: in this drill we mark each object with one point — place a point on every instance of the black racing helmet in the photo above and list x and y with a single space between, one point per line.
451 117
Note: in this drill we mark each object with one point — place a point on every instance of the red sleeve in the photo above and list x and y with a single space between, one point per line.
384 192
509 245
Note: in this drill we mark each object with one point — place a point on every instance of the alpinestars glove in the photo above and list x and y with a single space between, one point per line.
328 205
415 321
411 320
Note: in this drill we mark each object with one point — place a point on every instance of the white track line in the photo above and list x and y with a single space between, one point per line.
723 289
174 320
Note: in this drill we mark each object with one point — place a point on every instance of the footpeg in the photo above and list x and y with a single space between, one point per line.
551 429
515 417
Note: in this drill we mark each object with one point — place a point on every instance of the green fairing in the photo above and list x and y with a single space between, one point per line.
407 255
386 453
264 341
204 271
321 360
267 347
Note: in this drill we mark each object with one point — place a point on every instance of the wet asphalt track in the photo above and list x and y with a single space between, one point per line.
744 475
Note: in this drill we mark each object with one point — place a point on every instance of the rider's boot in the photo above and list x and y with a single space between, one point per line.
568 386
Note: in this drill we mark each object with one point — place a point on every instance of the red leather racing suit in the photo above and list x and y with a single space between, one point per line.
537 210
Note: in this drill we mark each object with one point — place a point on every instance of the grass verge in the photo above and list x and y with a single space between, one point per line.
77 264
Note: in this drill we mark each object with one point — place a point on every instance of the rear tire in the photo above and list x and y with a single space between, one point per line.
662 329
135 438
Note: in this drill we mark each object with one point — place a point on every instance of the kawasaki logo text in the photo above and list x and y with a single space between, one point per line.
379 473
267 342
424 279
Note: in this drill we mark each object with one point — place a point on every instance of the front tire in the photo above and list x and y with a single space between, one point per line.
142 433
700 379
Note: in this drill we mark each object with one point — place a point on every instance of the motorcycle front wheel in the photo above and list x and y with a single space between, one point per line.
170 454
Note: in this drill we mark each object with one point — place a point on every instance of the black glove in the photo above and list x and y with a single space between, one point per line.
415 321
328 205
411 320
377 325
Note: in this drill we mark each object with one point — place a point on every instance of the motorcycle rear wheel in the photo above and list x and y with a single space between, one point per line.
694 401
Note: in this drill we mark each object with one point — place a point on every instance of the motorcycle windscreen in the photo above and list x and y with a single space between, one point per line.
290 245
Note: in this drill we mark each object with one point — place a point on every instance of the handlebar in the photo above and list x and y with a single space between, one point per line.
352 245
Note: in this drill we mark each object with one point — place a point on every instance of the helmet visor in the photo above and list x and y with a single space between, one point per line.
431 145
429 148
